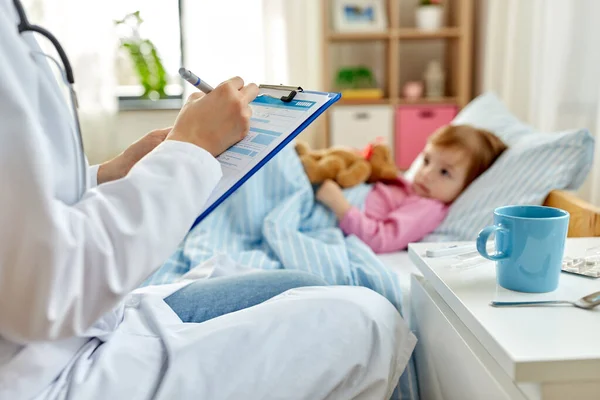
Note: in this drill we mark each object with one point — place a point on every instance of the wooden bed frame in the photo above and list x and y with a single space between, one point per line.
585 218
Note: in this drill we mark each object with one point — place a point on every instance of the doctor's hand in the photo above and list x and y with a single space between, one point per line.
218 120
119 166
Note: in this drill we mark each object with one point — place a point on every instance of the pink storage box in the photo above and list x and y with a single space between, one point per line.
414 124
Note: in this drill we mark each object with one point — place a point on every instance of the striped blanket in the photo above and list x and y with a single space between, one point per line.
272 222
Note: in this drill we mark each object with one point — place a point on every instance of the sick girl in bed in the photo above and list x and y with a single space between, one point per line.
401 212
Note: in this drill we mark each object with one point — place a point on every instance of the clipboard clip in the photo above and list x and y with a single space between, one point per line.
293 90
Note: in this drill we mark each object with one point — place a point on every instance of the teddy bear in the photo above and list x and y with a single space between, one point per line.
346 166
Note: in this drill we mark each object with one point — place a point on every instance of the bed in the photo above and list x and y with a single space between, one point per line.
286 228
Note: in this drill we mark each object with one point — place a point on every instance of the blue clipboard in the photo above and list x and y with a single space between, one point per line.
333 97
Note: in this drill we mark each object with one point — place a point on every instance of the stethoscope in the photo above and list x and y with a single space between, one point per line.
25 26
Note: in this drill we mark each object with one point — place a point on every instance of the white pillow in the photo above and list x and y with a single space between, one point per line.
534 164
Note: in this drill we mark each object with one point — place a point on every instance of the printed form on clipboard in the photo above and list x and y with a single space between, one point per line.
279 114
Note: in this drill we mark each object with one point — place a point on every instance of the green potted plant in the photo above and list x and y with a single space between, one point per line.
429 15
144 56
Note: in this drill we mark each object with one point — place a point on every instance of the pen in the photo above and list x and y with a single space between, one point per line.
194 80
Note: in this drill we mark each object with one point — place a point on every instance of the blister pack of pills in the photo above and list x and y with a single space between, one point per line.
582 266
587 265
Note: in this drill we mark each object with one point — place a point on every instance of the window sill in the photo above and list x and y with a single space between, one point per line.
137 104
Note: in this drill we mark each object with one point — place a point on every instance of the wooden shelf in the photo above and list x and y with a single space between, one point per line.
401 53
413 33
348 102
400 101
352 36
402 33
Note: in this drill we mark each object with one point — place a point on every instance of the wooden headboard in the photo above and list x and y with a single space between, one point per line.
585 218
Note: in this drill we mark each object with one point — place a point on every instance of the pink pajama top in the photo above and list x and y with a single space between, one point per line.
394 216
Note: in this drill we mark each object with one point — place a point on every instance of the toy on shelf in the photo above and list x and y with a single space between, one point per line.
357 83
413 90
346 166
434 79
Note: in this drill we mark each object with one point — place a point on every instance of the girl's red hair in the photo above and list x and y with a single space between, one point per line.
482 147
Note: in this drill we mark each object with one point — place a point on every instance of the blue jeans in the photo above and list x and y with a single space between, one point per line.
210 298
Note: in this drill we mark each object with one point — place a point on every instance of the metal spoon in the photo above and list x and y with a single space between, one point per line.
587 302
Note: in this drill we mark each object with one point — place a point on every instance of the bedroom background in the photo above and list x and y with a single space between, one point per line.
538 56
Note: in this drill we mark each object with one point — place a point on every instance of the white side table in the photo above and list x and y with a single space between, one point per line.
470 350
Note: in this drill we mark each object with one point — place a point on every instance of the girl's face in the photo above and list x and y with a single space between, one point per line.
442 175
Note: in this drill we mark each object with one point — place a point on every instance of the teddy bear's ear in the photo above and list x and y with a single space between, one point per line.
384 167
381 148
381 153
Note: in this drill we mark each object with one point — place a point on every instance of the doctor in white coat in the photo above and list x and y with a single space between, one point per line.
76 241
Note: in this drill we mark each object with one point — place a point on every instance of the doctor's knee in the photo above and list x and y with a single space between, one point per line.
356 303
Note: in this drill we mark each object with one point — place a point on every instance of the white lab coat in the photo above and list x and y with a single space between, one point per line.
69 327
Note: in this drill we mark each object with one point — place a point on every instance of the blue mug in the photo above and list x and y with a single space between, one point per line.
530 245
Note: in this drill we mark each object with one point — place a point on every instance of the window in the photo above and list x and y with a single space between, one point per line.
136 69
237 37
234 37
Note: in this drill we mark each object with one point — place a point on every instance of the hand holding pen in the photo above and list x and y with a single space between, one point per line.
194 80
218 121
